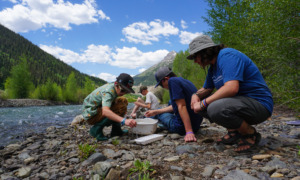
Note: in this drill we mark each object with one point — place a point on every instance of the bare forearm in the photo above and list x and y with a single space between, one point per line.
185 118
164 110
202 93
229 89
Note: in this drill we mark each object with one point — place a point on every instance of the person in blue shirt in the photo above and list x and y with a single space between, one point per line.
242 97
178 117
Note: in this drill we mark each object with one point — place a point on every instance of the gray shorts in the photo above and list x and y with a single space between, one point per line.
231 112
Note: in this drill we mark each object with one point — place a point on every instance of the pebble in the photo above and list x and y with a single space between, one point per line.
54 154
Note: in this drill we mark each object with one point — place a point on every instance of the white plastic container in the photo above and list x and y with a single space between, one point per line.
145 126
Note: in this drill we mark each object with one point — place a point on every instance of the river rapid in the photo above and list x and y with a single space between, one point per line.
17 123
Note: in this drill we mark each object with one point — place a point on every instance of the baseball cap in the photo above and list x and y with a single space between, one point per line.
126 82
161 73
143 88
198 44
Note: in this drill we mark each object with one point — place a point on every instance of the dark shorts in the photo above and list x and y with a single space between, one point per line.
231 112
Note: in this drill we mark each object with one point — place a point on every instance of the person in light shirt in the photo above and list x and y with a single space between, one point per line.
150 103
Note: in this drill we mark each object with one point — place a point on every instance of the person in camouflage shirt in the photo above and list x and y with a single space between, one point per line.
105 106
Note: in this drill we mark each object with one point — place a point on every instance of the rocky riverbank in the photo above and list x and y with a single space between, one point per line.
55 154
28 102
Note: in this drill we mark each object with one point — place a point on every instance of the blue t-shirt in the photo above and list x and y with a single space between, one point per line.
180 88
233 65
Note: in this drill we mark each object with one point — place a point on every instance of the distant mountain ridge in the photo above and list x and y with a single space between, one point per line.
147 78
42 65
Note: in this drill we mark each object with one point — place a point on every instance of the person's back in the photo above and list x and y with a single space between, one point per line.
152 99
181 88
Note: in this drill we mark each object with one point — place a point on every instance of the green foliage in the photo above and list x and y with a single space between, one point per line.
71 89
298 150
268 32
142 168
79 178
188 69
131 97
19 84
49 91
3 95
85 150
166 97
89 86
115 142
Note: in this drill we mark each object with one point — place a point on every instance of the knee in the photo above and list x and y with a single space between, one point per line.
217 111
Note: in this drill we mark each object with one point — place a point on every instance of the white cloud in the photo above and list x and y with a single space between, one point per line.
126 57
13 1
35 14
103 16
183 24
106 76
65 55
97 54
142 70
187 37
141 32
133 58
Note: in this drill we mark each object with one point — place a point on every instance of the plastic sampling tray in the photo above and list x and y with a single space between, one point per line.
149 139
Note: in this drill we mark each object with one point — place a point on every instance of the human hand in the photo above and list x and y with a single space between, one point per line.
150 113
195 99
190 137
130 122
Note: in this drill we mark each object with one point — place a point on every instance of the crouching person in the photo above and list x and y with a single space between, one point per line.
105 106
178 117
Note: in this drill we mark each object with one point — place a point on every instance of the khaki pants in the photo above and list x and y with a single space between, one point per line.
119 106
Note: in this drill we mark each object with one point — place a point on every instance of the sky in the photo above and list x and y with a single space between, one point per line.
104 38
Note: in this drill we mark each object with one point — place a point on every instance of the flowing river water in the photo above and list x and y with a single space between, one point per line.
17 123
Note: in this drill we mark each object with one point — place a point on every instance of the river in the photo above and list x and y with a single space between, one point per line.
18 123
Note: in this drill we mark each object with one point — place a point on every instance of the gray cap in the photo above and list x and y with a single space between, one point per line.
198 44
161 73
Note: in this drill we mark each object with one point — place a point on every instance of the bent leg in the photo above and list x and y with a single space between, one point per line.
231 112
136 107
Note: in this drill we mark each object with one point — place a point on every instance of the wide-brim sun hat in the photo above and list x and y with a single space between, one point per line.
161 73
198 44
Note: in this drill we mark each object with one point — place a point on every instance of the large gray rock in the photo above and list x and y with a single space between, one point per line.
96 157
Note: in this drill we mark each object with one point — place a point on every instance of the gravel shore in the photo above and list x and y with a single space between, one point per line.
55 154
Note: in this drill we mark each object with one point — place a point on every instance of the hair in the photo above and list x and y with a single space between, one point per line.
171 74
208 54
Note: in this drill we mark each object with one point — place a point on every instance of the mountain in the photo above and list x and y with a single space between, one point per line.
41 64
147 78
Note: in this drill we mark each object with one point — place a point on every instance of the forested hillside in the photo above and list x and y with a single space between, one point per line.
42 65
